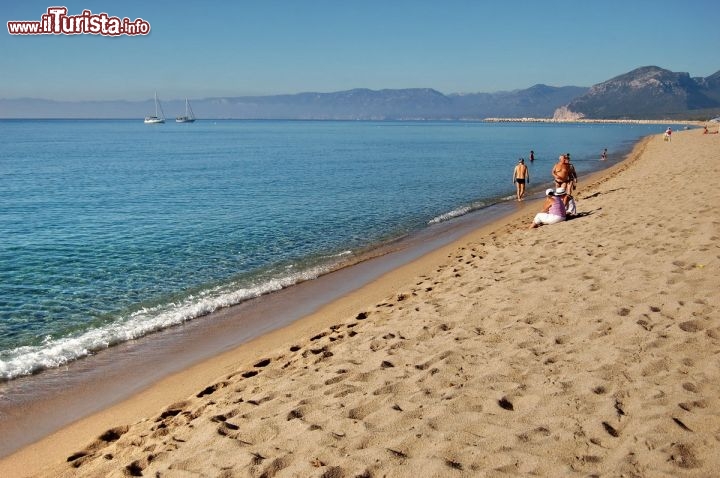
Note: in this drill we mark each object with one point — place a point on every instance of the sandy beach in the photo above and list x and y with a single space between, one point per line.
586 348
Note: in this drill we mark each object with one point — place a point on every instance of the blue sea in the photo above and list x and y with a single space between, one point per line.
112 230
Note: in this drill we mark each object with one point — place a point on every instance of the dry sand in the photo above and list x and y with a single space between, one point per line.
587 348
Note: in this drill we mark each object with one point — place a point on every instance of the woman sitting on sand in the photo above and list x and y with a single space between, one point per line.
553 210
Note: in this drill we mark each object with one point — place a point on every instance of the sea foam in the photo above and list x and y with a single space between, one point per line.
57 352
461 211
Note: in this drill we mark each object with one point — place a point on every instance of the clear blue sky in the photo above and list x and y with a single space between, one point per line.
204 48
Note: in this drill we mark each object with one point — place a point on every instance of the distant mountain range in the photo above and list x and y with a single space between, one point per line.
357 104
645 93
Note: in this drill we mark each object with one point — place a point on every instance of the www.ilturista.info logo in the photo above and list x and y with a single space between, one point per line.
57 22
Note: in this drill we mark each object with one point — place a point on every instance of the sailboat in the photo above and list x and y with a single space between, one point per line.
159 115
189 116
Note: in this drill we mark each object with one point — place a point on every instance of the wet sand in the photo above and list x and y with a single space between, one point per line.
29 404
103 379
587 347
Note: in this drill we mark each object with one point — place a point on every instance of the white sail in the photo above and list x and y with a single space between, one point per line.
159 114
189 116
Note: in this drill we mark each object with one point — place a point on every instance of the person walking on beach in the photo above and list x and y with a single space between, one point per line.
553 210
572 175
668 134
561 172
521 175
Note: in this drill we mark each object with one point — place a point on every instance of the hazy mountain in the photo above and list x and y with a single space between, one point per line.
352 104
645 93
356 104
535 102
649 92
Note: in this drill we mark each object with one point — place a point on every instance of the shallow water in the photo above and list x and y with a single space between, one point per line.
111 230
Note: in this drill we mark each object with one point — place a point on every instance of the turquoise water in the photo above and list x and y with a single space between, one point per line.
110 230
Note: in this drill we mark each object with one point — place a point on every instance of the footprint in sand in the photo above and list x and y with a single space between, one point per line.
694 325
263 363
690 406
610 430
506 404
209 390
112 435
683 456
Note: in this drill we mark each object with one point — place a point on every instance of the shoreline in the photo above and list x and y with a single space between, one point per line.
179 336
196 297
187 345
154 393
394 293
596 121
99 370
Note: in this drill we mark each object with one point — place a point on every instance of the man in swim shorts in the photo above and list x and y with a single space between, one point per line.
521 175
561 172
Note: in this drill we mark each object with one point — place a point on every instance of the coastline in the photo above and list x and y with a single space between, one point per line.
200 287
447 289
111 375
595 121
172 349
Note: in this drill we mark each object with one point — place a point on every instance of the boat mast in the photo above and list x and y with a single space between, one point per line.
158 105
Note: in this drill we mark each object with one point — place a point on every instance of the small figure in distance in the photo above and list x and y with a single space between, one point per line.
532 153
521 175
553 210
668 134
603 156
